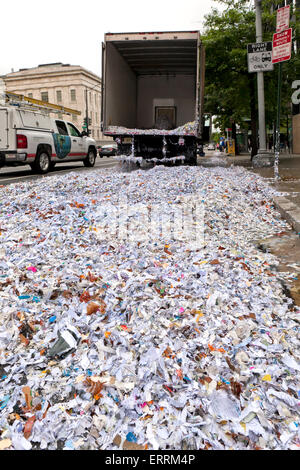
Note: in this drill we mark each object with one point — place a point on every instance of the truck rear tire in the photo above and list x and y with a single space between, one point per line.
192 161
191 156
90 159
42 162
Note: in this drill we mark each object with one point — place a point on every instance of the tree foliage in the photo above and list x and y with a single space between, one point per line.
230 91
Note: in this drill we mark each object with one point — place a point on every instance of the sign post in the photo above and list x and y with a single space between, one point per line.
259 61
282 47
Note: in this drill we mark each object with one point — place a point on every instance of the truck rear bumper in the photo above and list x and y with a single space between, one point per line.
12 157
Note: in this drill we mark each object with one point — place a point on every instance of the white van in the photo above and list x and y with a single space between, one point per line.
29 137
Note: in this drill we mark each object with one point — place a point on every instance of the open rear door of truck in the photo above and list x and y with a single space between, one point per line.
103 83
200 85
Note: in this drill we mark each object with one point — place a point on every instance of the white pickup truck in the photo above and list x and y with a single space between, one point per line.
32 138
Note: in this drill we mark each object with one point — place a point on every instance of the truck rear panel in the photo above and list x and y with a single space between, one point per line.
152 82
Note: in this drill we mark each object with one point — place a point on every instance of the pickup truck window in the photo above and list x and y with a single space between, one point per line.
61 127
74 132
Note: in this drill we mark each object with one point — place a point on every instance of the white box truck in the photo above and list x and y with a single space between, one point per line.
152 94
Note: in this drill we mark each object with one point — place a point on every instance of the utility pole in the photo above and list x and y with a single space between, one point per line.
263 158
260 86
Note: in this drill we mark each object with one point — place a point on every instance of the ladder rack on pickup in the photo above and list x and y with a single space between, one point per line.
25 102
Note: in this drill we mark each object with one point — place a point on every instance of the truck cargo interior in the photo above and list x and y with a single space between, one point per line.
150 84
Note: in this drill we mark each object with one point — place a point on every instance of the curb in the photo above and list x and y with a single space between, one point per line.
289 211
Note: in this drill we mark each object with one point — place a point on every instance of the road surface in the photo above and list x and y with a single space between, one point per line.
9 175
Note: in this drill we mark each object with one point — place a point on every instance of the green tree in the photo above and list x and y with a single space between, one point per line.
230 91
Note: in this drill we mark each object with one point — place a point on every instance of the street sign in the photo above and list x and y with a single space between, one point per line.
260 57
282 46
283 19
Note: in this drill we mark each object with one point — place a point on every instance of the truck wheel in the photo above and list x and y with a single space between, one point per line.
191 157
90 159
192 161
42 162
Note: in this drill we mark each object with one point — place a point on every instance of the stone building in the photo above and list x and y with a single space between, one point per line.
68 85
296 134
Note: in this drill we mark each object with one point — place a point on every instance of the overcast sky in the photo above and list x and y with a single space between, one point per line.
34 32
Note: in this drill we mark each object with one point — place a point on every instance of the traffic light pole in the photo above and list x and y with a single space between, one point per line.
88 120
87 111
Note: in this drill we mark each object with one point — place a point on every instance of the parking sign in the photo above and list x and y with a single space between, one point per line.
283 19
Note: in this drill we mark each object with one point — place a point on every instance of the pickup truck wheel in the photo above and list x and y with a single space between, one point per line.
42 162
90 159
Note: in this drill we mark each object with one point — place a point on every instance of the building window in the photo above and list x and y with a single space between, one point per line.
96 117
74 117
58 96
98 135
44 96
73 95
30 95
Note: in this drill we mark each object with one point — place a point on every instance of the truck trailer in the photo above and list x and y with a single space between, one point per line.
152 95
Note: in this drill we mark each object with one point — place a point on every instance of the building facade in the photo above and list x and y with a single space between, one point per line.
67 85
296 134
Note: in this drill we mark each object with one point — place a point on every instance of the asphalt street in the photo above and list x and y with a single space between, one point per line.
9 175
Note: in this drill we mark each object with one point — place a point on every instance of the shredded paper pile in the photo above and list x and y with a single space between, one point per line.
117 334
189 128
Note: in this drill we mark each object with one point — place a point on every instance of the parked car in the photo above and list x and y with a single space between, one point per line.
107 150
211 147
